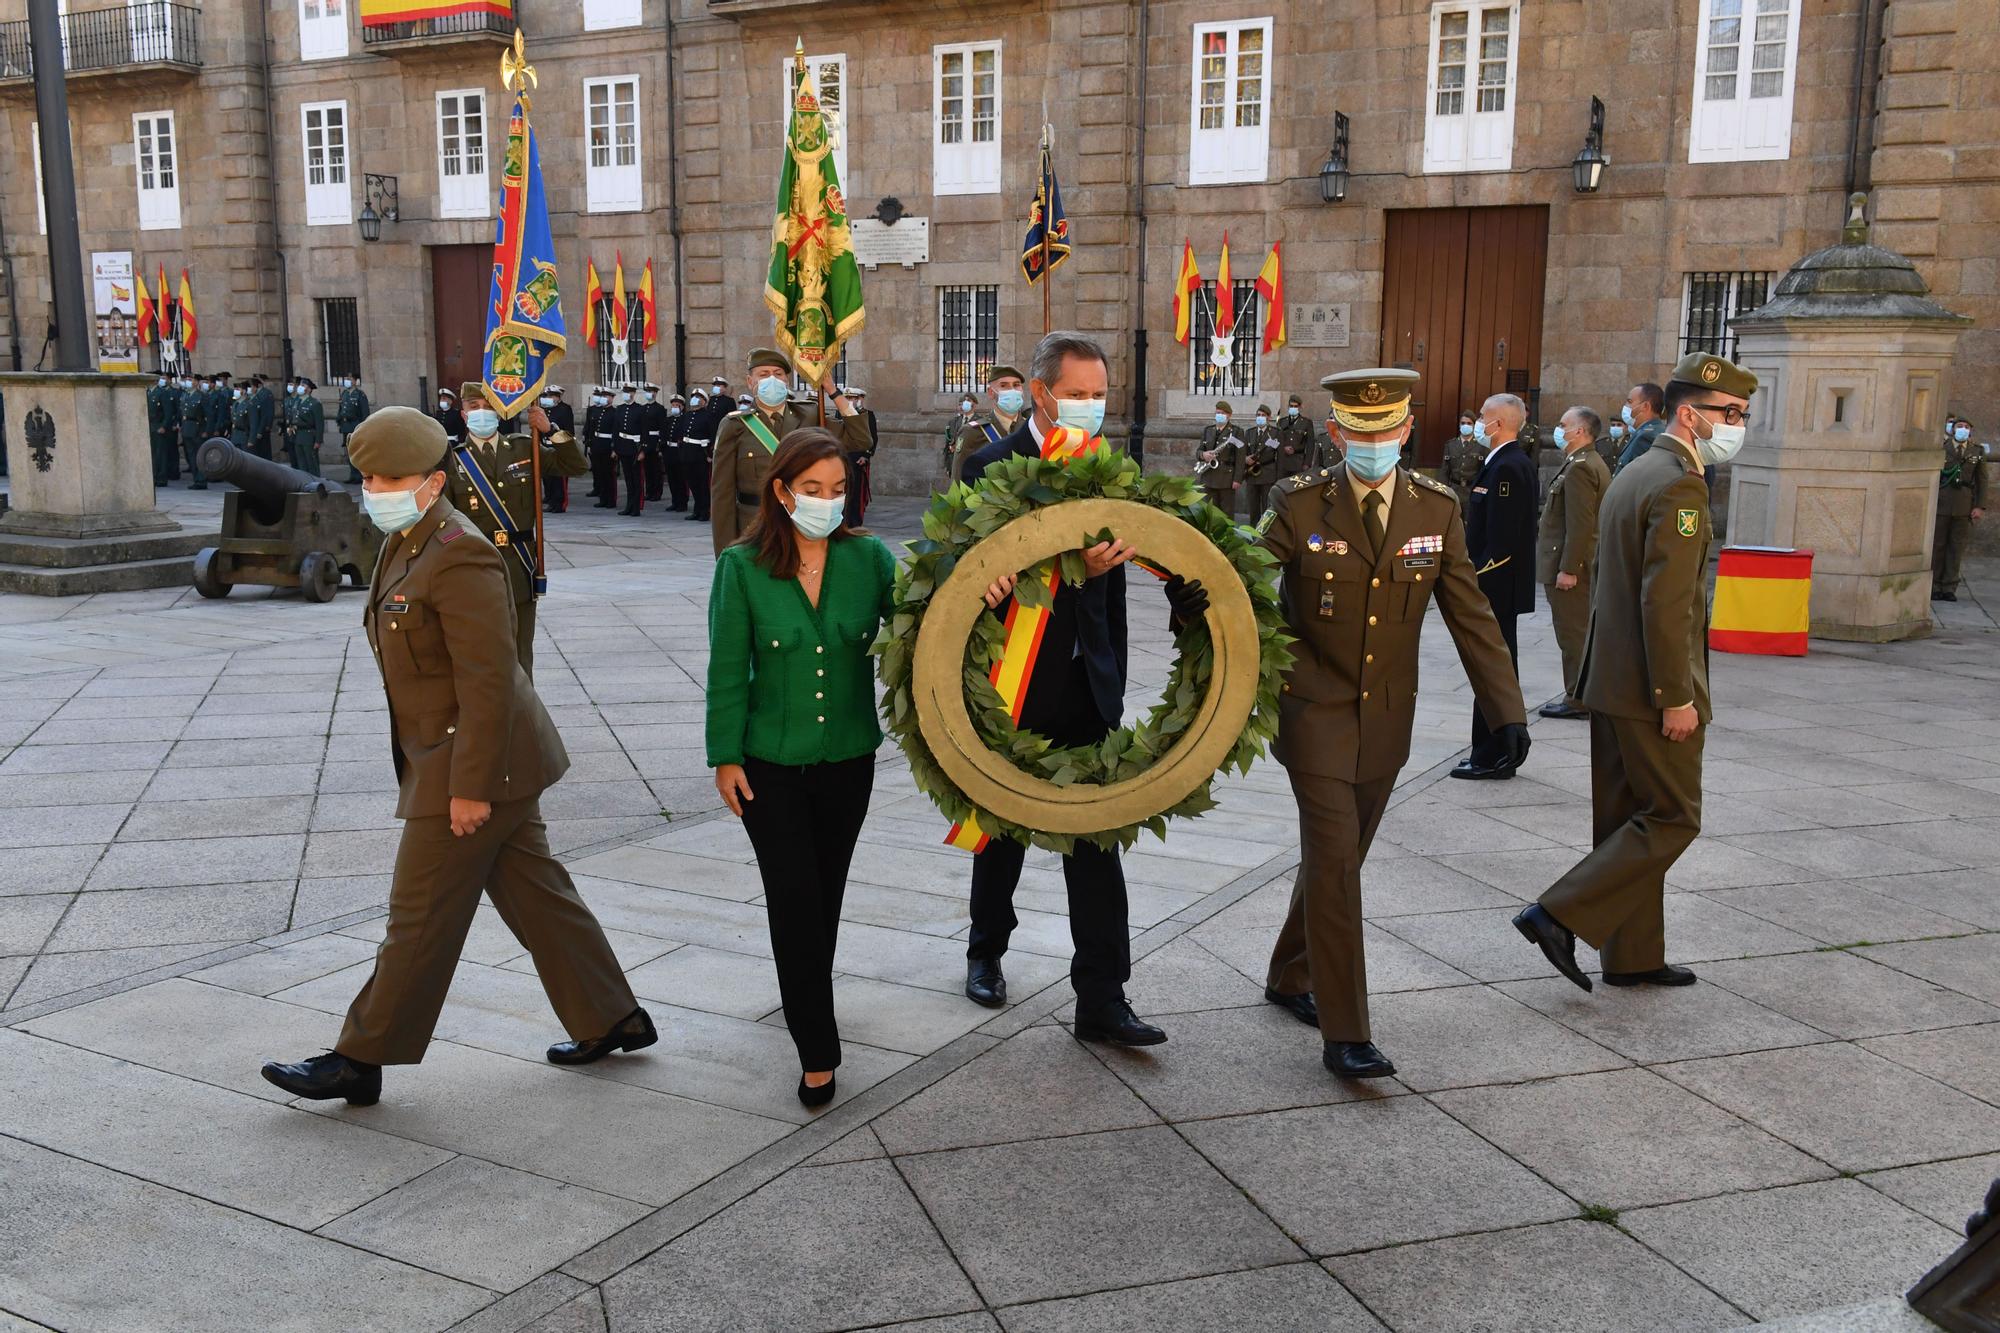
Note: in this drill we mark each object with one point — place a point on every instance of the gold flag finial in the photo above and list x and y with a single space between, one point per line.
516 74
799 53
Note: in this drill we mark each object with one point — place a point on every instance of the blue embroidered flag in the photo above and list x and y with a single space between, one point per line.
525 337
1048 228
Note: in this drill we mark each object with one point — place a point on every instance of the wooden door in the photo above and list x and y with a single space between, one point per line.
461 277
1462 292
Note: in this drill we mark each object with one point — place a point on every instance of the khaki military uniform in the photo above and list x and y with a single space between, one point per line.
1463 457
1646 651
1566 543
1961 489
742 461
1294 438
507 465
1260 468
464 722
973 438
1349 703
1224 477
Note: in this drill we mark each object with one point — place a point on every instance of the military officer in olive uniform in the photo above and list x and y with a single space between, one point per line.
263 414
1294 431
1218 460
163 424
1006 390
1361 550
193 428
1645 681
1566 545
506 463
474 749
1462 457
1260 462
308 427
242 417
349 413
745 441
1961 503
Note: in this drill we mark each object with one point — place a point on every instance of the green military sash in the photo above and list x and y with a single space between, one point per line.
753 421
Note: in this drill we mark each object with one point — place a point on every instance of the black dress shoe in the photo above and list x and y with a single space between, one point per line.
1301 1006
1472 772
697 518
605 504
1356 1059
985 983
1117 1024
811 1096
324 1077
1563 709
1557 941
632 1032
1947 596
1668 975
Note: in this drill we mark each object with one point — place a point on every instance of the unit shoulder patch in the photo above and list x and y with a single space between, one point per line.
1688 522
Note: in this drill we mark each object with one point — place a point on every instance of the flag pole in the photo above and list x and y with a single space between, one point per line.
515 76
1048 132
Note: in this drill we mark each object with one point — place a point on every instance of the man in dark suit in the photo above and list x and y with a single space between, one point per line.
1075 697
1500 536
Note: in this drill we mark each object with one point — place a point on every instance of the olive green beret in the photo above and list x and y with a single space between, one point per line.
768 356
1224 407
474 389
1265 408
397 442
1003 372
1711 371
1297 401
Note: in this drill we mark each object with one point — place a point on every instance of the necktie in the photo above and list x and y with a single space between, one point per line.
1371 517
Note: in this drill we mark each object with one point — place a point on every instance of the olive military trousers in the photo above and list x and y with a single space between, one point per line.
1954 532
1319 947
1645 807
1569 612
524 634
435 891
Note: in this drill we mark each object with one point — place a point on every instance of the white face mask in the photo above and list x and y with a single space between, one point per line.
347 384
816 517
1722 444
546 401
444 404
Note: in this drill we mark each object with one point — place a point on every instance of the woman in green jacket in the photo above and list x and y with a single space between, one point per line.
792 728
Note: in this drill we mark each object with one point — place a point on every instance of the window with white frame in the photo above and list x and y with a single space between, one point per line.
829 75
1746 58
965 128
612 182
462 154
322 29
1239 376
601 14
1229 136
157 167
41 203
968 337
1469 108
324 130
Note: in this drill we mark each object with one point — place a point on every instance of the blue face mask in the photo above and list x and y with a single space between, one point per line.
1961 433
1291 411
1222 418
1010 401
482 421
771 391
1084 414
393 511
1562 438
1372 462
1625 413
1479 431
1465 428
815 517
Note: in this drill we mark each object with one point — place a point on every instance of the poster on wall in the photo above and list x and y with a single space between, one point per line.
117 306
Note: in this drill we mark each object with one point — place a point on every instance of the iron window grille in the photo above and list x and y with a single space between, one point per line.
339 337
968 337
1240 377
1712 303
609 372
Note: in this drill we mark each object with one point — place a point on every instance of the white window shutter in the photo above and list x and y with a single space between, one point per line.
463 149
967 118
613 182
322 29
156 166
1229 110
1470 92
324 140
599 15
1745 78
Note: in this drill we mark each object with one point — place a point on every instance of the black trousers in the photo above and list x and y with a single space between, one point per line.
677 486
804 821
1095 879
604 473
633 467
656 472
694 471
555 492
1484 751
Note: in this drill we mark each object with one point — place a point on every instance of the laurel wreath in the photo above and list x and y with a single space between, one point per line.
962 516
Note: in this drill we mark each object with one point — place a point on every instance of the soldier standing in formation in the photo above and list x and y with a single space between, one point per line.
1295 443
1500 533
349 413
860 483
1645 681
308 427
967 419
1361 549
1961 503
163 424
1219 461
562 419
1260 463
745 441
263 415
491 482
1462 457
193 429
602 442
1612 444
450 417
653 419
1566 546
284 419
1008 392
627 423
474 749
219 419
242 415
691 439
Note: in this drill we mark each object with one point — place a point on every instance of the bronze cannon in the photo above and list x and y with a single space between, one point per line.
282 528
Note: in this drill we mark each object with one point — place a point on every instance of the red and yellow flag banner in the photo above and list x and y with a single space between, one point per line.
1225 295
1186 283
190 333
385 13
652 332
618 310
148 313
1763 601
593 297
1271 286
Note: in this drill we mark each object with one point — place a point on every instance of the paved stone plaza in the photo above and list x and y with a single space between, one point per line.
195 812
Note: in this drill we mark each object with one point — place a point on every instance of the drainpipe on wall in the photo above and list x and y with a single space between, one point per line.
13 302
1137 444
674 215
271 184
1860 141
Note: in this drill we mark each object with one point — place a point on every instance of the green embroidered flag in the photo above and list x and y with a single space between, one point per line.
813 285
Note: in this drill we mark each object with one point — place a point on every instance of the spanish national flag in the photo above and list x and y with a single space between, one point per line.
618 311
189 332
382 13
652 334
1271 286
593 297
148 313
1186 283
1225 295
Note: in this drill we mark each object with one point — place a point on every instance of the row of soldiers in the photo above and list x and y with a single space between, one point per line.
1243 463
184 410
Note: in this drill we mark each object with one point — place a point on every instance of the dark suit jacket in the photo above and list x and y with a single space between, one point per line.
1087 621
1500 529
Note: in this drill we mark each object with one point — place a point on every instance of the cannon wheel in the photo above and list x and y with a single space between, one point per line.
208 579
319 576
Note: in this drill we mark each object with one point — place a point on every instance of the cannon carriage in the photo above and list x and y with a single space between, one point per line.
282 528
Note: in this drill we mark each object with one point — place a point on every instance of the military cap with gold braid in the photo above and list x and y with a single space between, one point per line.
767 356
1713 372
397 442
1371 400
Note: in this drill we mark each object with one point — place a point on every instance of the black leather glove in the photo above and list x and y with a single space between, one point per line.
1187 600
1514 742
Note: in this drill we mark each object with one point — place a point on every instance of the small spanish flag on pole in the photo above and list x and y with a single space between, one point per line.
1271 286
650 334
147 312
190 332
593 297
1763 601
1186 283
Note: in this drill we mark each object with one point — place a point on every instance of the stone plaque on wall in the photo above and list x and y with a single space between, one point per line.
1316 325
907 243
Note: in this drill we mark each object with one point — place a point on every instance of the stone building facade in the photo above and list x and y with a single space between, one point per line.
1735 130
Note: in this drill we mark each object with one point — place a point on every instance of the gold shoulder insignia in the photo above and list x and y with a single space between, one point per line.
1435 485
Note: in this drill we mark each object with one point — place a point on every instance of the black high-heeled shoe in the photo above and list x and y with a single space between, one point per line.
820 1096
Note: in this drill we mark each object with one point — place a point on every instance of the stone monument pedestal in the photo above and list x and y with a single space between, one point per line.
81 516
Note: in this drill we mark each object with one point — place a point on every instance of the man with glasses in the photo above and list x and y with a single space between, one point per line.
1644 679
